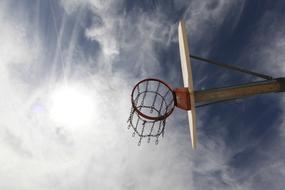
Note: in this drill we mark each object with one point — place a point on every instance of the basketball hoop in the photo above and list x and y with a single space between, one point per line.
152 102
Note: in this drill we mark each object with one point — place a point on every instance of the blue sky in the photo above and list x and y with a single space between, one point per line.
66 74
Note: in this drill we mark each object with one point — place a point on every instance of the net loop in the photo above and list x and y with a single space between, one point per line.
152 102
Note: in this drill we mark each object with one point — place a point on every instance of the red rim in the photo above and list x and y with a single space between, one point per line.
163 117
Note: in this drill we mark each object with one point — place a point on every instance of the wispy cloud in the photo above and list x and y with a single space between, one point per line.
106 46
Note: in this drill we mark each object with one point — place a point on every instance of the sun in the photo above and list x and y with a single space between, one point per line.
72 105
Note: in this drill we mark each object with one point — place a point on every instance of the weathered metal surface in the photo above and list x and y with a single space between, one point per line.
182 98
282 84
239 91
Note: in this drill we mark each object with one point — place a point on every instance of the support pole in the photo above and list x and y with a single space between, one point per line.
240 91
231 67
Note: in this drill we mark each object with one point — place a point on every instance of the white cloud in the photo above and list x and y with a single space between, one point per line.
204 19
39 154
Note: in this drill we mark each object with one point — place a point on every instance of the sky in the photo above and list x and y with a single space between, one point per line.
67 68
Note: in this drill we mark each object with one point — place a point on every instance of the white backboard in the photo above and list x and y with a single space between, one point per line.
187 79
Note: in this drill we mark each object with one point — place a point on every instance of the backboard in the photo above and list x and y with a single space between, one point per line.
187 79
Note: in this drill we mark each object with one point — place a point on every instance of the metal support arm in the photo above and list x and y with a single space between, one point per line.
216 95
240 91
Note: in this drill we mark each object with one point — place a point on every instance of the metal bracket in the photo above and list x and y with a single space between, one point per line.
281 82
182 97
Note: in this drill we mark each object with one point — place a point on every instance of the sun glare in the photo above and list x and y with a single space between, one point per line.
72 106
